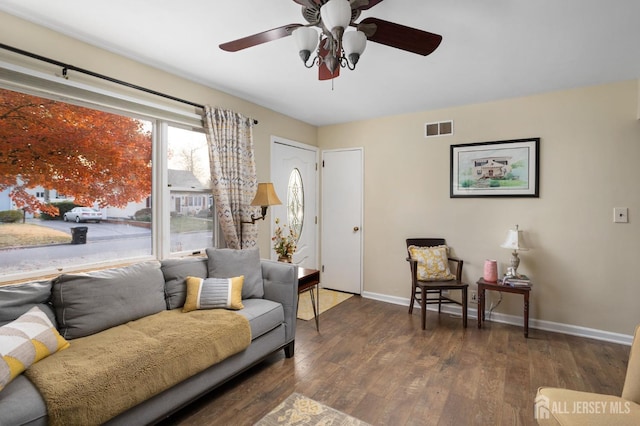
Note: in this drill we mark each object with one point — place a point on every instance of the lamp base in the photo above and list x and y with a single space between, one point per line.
512 270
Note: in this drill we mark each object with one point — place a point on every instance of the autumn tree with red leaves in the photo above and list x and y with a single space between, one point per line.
90 155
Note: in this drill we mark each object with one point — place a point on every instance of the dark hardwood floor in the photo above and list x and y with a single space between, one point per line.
371 360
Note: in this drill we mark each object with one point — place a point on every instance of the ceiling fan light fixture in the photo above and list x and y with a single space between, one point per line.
306 40
331 62
335 47
354 43
336 14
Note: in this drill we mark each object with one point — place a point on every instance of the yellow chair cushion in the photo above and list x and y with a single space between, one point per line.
433 263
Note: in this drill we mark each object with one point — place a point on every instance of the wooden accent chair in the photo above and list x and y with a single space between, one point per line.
421 289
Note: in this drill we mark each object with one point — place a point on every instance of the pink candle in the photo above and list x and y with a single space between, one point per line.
490 271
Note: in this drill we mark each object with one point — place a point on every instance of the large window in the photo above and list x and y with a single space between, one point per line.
76 187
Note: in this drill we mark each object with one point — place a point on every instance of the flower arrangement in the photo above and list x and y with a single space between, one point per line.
284 243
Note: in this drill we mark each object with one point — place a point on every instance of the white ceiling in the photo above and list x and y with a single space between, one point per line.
491 49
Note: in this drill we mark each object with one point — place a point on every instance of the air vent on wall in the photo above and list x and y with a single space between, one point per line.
441 128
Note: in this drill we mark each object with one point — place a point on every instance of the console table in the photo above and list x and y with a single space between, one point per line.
308 279
524 290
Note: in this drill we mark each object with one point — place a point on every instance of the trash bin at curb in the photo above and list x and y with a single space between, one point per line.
79 235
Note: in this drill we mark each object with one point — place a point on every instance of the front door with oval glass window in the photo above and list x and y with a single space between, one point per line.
295 203
294 176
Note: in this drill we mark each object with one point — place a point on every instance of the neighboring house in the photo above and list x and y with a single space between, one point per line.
188 197
491 167
6 203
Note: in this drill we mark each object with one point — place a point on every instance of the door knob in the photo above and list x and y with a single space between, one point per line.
356 229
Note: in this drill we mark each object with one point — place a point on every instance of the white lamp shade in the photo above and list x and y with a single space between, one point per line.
515 240
336 13
306 38
354 42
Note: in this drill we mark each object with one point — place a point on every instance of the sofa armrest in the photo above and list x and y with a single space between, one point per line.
564 407
281 285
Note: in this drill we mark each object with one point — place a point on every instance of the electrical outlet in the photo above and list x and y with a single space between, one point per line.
474 297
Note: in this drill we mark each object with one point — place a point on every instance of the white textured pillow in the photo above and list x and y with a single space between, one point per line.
25 341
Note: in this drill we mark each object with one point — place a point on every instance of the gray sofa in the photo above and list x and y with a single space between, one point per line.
92 305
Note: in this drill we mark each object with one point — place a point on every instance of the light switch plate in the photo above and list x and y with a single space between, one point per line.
620 214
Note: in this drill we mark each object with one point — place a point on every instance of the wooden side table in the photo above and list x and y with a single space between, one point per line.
524 290
308 279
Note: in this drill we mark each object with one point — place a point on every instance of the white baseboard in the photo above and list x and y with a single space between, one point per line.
556 327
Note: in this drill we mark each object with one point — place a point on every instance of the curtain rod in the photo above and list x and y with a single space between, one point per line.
66 67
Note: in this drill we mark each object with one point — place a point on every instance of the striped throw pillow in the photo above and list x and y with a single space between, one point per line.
213 293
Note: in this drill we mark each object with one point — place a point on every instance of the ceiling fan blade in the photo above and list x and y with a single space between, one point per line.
256 39
366 4
307 3
401 37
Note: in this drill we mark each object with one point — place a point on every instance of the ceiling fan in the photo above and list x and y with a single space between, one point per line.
337 47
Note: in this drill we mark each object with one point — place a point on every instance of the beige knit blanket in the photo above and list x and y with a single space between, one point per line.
100 376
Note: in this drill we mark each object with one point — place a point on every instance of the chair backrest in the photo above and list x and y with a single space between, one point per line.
425 242
631 389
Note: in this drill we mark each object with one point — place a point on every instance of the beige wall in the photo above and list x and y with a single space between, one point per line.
583 265
23 35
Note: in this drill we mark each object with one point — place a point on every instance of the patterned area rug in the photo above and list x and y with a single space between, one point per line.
298 410
328 299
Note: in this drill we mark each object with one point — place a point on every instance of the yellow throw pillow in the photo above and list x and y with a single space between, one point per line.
213 293
433 263
25 341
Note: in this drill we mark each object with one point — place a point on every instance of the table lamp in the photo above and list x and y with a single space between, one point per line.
514 241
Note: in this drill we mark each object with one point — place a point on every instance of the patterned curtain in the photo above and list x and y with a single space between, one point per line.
233 174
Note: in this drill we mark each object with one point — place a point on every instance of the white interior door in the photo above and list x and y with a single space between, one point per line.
294 176
342 199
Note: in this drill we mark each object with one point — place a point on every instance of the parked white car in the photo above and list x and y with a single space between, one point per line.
82 214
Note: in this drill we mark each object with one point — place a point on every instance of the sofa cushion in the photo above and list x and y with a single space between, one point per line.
88 303
433 263
25 341
213 293
227 263
175 272
22 404
263 315
16 299
106 373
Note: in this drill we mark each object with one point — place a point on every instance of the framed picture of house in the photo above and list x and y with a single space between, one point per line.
496 169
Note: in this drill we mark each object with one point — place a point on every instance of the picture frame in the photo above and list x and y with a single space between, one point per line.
508 168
